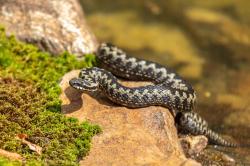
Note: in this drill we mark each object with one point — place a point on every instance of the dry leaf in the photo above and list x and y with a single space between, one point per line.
22 136
32 146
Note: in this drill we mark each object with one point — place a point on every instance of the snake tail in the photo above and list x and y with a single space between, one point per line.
196 125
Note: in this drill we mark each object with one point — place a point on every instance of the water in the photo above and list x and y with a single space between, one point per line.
208 43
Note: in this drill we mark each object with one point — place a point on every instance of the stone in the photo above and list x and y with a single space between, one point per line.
142 136
193 145
54 26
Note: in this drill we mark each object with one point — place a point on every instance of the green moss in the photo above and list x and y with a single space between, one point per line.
24 61
7 162
30 104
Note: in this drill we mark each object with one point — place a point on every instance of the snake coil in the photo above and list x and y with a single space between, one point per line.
169 89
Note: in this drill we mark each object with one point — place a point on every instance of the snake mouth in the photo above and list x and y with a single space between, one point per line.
81 84
77 83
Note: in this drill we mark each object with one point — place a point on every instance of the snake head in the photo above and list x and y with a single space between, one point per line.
87 80
83 84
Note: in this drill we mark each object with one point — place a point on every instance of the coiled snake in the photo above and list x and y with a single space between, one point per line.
169 89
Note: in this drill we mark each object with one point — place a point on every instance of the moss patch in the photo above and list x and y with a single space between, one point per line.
7 162
30 104
26 62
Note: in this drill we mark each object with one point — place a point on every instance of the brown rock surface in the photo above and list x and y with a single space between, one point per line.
53 25
145 136
193 145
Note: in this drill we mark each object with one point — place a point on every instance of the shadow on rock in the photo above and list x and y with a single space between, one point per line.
75 100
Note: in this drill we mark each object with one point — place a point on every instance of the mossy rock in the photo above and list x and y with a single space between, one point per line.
30 104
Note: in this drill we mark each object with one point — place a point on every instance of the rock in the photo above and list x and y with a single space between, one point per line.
196 148
193 145
145 136
54 26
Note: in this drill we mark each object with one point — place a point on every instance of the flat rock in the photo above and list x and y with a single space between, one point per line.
144 136
54 26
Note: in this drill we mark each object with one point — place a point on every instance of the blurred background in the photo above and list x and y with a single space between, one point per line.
206 42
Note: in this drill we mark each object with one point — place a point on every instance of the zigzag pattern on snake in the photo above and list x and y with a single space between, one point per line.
169 89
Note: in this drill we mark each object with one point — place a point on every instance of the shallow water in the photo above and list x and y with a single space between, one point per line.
208 43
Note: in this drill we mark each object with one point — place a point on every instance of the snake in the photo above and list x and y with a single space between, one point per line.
168 89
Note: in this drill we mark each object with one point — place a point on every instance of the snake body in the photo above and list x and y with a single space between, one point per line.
169 89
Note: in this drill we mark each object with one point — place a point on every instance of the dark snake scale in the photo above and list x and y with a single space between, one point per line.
169 89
